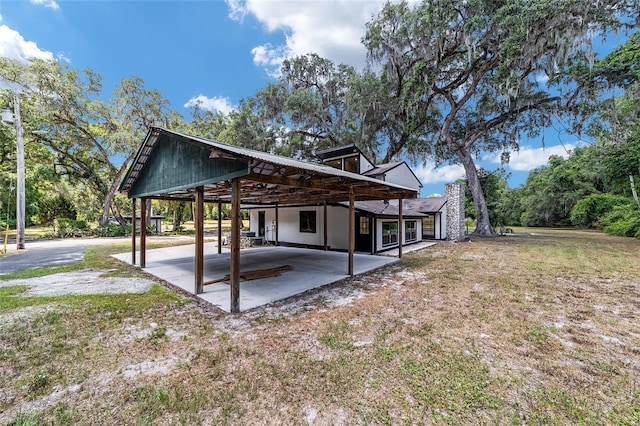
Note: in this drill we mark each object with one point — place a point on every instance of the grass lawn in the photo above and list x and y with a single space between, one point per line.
524 329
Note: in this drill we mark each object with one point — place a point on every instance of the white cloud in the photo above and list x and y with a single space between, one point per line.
14 46
528 158
52 4
428 173
332 29
220 104
270 58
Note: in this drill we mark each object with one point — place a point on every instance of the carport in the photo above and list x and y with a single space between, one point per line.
174 166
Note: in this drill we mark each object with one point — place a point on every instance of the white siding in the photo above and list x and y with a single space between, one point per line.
289 226
441 224
365 165
338 227
402 175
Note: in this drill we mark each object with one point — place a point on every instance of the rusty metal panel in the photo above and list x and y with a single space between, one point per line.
176 164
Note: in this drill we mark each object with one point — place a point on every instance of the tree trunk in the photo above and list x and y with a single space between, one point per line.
633 189
108 199
175 216
483 224
117 215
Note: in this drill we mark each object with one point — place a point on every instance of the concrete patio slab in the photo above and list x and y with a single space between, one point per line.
311 269
408 249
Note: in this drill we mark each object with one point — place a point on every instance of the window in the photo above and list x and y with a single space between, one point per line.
351 164
389 233
308 221
410 230
364 225
336 164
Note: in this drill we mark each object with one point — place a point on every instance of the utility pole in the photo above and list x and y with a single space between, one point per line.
20 196
20 190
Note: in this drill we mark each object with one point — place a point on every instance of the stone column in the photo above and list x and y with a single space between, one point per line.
455 211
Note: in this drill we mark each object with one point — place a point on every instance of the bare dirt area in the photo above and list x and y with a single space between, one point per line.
525 329
80 282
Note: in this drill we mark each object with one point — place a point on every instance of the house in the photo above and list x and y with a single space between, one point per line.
171 165
377 222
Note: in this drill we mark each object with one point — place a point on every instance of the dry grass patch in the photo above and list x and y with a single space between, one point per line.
512 330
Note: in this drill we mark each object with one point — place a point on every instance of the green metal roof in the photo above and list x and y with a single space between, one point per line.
171 165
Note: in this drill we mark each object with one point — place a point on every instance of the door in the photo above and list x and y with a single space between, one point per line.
364 233
260 224
428 227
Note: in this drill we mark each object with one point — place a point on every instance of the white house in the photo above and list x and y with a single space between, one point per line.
377 225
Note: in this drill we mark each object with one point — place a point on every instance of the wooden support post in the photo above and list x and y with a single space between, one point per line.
400 228
133 231
324 226
234 273
352 229
199 226
277 224
143 232
219 227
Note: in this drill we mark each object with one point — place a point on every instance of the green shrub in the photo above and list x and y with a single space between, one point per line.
69 228
589 211
623 221
113 230
12 224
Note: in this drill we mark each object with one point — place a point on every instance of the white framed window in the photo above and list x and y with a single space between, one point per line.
389 234
410 230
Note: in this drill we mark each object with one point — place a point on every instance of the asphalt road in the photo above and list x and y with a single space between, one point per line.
43 253
39 257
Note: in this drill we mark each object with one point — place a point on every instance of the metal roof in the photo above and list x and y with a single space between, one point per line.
266 178
382 168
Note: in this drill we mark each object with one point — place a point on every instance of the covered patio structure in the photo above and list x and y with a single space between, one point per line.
174 166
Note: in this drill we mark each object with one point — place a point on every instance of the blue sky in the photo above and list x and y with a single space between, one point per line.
217 52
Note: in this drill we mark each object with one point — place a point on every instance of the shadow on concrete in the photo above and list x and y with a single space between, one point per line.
311 269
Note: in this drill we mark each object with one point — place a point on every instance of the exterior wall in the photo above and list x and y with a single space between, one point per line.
289 226
455 211
337 227
269 220
402 175
365 165
441 224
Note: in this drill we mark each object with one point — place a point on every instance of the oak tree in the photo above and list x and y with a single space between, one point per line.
494 70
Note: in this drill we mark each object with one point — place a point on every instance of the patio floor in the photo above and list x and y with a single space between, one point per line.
311 269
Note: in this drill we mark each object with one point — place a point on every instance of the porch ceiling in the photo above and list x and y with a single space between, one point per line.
171 165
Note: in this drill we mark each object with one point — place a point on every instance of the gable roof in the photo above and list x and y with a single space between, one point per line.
383 169
170 165
426 205
414 207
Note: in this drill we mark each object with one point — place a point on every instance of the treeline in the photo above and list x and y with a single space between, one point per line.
593 188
